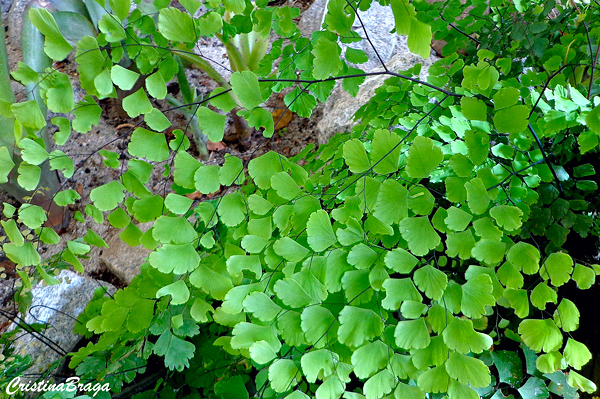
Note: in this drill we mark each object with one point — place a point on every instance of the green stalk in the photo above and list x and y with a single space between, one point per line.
32 45
6 92
184 85
202 64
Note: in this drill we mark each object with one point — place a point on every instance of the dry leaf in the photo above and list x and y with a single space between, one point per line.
281 121
216 146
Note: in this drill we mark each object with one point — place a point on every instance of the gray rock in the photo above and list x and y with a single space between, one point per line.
56 306
122 260
341 106
13 20
312 19
5 5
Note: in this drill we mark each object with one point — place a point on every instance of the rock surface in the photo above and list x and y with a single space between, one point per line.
57 306
122 260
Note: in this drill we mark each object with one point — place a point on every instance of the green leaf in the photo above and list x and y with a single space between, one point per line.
419 234
507 217
261 306
176 351
549 362
356 156
477 294
319 230
509 366
543 294
209 23
534 388
108 196
398 291
12 232
473 108
460 336
316 323
173 230
379 385
592 120
211 282
292 294
119 218
419 38
22 255
356 56
149 145
92 238
290 249
423 158
540 335
434 380
403 14
232 171
137 104
431 281
477 196
282 374
224 102
60 161
358 325
558 266
460 244
457 219
211 123
518 301
178 204
412 334
178 290
176 25
207 179
285 186
400 260
29 176
156 86
370 358
246 88
55 45
566 315
87 113
232 209
28 114
524 256
584 276
468 370
506 97
260 117
578 381
384 161
512 120
576 354
478 144
490 252
176 259
112 28
6 164
123 78
327 58
156 120
318 364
